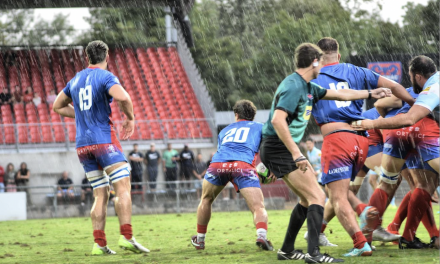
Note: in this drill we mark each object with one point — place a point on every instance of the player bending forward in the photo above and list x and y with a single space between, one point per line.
234 161
91 91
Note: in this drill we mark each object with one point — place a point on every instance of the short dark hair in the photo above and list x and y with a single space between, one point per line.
310 139
305 54
135 144
245 110
328 45
422 65
96 51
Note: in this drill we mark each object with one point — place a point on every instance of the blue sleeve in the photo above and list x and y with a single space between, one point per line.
368 77
109 81
66 90
429 97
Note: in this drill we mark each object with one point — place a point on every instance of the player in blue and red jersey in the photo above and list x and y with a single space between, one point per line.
91 91
234 161
345 150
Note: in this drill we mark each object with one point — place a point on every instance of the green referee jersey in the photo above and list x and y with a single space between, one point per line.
295 97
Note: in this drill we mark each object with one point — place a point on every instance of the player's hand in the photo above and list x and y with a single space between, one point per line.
381 93
127 129
272 178
362 125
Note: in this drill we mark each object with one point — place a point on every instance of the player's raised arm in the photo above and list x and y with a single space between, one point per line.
62 105
352 95
398 90
124 101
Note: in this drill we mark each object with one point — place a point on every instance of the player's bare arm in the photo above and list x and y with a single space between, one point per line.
414 114
398 90
280 125
351 95
124 101
385 104
62 105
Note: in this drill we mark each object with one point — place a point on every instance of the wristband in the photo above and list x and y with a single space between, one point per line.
369 94
301 158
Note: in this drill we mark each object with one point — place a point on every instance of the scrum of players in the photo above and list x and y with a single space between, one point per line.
399 140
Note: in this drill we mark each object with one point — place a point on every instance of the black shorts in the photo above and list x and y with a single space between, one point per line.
276 157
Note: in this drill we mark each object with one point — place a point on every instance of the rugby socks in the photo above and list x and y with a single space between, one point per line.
126 231
100 239
297 218
324 225
429 222
315 215
201 232
401 213
418 204
359 240
379 199
360 208
261 229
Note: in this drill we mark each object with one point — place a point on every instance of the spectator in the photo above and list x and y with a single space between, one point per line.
5 97
86 191
51 97
22 180
17 97
314 155
2 179
187 161
28 95
37 99
136 159
199 173
9 178
152 159
169 162
64 186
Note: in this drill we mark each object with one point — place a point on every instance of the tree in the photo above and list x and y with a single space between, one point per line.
21 27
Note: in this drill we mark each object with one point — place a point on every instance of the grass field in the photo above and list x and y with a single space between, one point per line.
230 239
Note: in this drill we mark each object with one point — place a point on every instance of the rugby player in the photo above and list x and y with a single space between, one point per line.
234 162
91 91
289 114
422 135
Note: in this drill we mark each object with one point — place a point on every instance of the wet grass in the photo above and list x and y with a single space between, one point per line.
230 239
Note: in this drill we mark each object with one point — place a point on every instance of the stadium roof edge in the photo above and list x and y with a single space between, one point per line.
184 5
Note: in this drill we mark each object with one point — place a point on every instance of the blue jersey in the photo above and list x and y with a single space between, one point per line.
239 141
337 77
91 100
405 107
371 114
429 97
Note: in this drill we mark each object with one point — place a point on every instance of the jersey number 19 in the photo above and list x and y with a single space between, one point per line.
339 86
85 98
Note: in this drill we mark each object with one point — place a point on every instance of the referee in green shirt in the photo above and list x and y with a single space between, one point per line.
289 114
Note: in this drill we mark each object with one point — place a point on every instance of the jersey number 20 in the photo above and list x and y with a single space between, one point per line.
339 86
236 135
85 98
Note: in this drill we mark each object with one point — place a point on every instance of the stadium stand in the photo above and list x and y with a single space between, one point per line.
165 104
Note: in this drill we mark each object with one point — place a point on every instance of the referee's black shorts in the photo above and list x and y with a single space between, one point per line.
276 157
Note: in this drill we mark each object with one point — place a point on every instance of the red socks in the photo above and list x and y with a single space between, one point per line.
201 229
359 240
99 236
126 231
360 208
323 227
258 225
379 199
418 204
401 214
429 222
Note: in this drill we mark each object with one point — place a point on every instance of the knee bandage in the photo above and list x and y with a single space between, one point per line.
97 179
119 173
388 177
357 181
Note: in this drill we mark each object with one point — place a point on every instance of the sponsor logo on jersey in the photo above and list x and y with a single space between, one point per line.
310 96
338 170
307 112
389 69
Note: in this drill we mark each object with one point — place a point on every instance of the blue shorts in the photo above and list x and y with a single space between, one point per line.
239 173
374 149
98 157
414 161
64 191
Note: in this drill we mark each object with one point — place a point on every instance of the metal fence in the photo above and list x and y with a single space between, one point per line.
169 197
62 134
